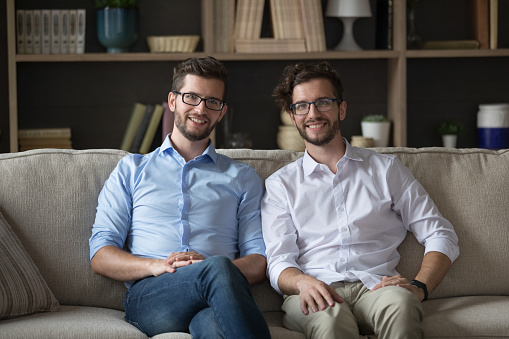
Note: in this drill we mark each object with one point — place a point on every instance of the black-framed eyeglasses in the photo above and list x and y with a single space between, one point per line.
321 105
194 100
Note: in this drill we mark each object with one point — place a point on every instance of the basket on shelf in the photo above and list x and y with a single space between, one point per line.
173 43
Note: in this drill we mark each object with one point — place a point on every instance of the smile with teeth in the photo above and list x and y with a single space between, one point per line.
314 126
198 121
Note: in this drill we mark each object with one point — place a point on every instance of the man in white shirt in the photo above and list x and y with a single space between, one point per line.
332 222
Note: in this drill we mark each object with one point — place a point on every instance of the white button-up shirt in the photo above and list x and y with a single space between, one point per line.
347 226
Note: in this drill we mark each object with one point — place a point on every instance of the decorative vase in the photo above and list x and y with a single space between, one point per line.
449 140
117 28
379 131
414 40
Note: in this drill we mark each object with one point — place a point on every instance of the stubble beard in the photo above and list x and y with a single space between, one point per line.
180 123
328 137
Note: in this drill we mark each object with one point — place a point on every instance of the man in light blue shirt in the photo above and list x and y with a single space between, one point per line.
181 225
332 222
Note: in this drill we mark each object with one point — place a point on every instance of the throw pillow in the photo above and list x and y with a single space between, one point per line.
23 290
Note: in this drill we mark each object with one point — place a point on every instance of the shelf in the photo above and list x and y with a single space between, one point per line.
130 57
457 53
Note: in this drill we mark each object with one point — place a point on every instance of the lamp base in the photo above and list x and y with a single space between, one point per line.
347 42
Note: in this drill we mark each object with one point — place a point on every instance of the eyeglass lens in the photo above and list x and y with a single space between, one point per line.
322 105
195 100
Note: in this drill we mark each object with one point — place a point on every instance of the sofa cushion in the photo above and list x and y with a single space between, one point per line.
22 288
71 322
467 317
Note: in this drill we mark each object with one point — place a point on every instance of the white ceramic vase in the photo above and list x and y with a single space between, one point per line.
379 131
449 140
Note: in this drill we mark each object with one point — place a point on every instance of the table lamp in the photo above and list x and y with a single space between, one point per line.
348 11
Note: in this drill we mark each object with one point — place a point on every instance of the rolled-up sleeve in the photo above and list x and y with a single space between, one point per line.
113 215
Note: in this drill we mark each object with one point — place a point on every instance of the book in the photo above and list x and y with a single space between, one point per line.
37 32
55 31
451 44
142 128
224 25
64 31
480 26
286 18
241 19
45 133
80 41
270 45
46 31
20 31
168 120
154 123
45 141
384 18
73 30
314 31
493 24
29 32
137 114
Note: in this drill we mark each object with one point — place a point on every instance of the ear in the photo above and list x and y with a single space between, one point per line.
171 101
342 110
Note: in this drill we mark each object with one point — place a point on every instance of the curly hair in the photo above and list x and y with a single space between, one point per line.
300 73
208 67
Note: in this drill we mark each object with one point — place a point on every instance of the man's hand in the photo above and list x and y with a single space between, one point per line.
400 281
315 295
181 259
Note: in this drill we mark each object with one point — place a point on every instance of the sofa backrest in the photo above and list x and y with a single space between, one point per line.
470 188
49 197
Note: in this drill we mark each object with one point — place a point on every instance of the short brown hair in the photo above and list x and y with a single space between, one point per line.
300 73
208 67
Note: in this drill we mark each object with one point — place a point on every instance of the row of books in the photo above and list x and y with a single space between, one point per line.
50 31
143 125
44 138
297 26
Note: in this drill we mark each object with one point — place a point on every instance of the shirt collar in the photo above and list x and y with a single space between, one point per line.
210 151
309 164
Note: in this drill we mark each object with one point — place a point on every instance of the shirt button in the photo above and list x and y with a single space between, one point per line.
341 209
344 229
342 260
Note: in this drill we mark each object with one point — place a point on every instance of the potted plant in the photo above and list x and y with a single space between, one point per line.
117 24
449 130
376 126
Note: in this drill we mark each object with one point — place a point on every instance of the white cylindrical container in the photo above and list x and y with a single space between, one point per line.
493 126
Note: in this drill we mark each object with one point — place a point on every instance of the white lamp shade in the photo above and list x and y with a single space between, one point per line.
348 8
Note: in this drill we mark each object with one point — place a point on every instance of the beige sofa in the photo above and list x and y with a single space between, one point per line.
48 197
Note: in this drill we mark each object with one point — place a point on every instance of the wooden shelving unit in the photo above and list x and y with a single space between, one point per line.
396 63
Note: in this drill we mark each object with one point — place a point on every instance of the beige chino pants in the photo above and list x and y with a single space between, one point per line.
390 312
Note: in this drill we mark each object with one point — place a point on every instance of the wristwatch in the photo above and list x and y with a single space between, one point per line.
422 286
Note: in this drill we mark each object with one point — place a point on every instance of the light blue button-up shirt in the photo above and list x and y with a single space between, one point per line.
156 204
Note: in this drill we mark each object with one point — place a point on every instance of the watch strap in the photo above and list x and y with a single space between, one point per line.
422 286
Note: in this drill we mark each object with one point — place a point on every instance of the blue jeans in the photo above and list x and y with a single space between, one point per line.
209 299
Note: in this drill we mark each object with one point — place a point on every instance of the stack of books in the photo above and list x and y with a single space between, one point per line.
142 127
55 31
44 138
297 26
